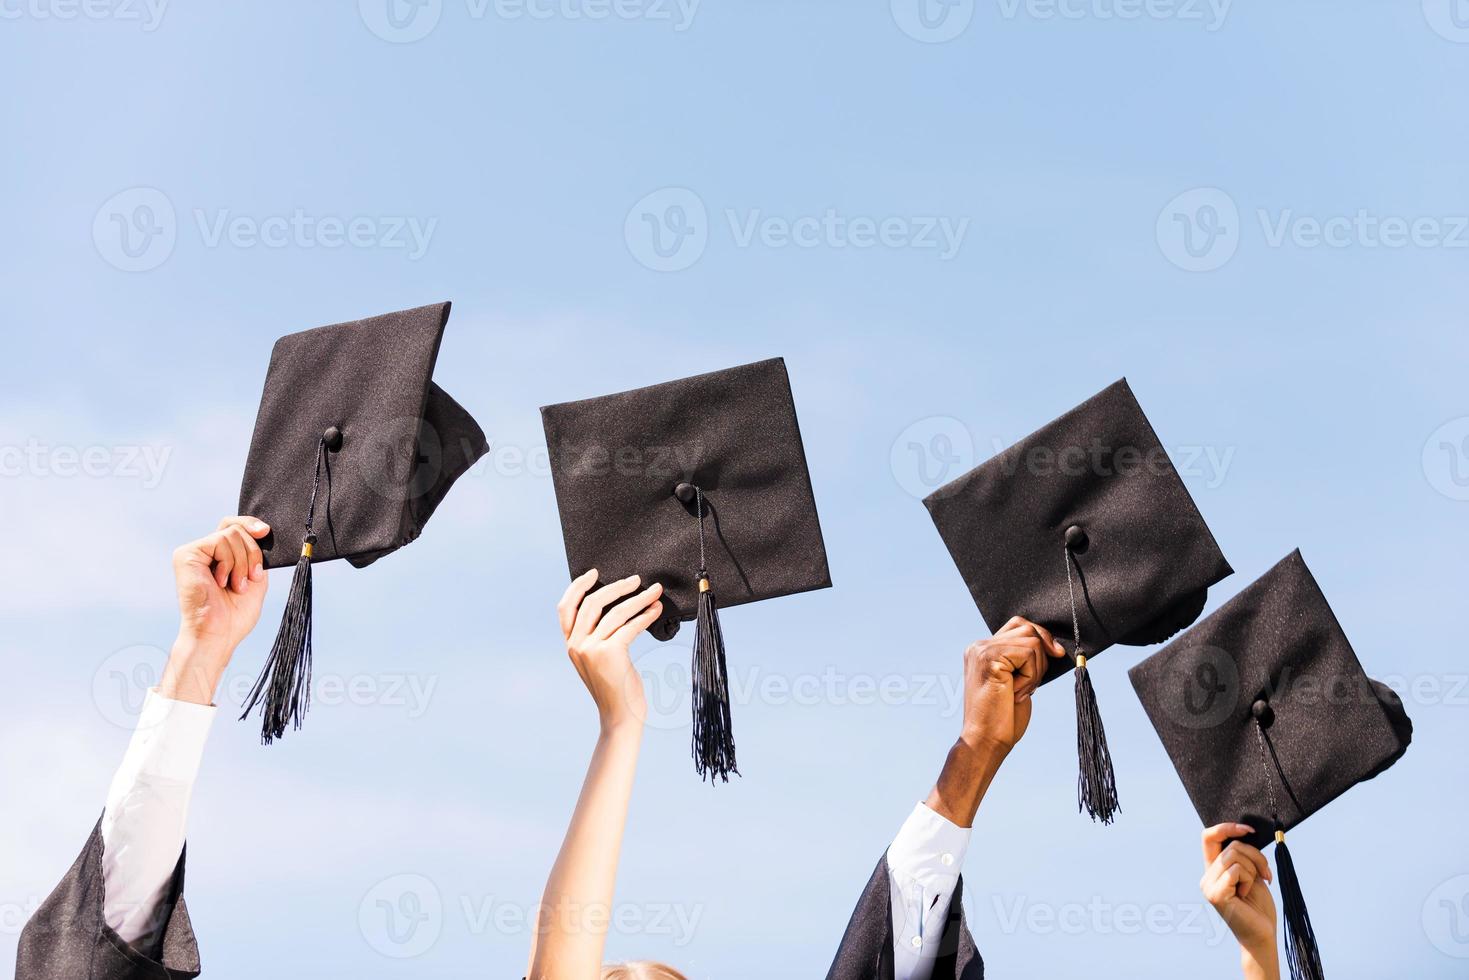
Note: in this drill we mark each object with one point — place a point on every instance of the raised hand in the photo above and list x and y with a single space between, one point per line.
1235 882
599 628
221 584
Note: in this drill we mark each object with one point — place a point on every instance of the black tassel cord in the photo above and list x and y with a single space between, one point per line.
713 737
284 683
1301 951
1096 784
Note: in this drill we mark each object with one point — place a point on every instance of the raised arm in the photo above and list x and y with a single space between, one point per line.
917 885
575 907
1000 675
221 584
119 912
1236 882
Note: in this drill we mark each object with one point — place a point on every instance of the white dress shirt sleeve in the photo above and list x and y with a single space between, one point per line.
924 861
147 807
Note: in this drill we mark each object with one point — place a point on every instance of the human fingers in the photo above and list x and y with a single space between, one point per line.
571 600
591 607
625 610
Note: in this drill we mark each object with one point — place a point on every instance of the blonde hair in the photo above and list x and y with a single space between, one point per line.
641 970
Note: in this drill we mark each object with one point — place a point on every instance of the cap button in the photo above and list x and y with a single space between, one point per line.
685 492
332 437
1076 539
1263 713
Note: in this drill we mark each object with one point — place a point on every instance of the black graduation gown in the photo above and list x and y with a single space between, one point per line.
866 952
68 938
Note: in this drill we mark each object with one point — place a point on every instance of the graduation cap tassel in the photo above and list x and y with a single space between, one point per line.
1096 783
713 738
1301 952
285 680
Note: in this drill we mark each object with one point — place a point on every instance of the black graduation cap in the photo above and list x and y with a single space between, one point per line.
1085 528
701 485
1268 717
354 448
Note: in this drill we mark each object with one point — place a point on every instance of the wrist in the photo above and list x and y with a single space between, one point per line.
626 728
1260 964
983 745
194 670
970 767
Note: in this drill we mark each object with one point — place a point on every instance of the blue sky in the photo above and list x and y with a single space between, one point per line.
954 224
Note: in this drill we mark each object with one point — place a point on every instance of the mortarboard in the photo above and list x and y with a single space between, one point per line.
1267 715
354 448
1085 528
701 485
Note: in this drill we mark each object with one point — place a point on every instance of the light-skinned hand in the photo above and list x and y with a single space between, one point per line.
599 626
221 585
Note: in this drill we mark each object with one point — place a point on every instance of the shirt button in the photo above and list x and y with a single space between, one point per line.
917 942
947 859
